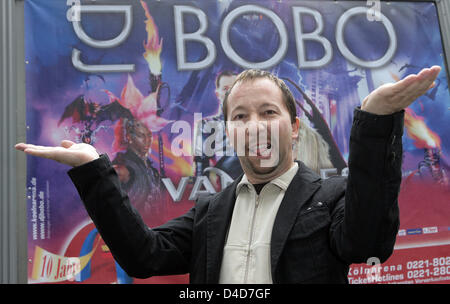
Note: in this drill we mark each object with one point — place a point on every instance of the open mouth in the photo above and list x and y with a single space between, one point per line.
263 150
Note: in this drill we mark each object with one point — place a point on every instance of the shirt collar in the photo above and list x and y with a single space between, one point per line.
281 181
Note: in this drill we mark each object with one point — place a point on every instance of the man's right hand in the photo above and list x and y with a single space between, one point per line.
69 153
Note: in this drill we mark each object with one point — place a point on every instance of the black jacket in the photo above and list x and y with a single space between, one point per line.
322 226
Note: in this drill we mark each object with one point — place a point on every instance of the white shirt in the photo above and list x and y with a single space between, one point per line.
246 256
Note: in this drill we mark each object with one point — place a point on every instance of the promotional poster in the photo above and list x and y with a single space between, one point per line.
141 81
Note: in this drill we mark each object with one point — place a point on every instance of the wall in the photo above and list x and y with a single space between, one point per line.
13 230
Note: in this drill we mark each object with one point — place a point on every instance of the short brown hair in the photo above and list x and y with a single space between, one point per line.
253 74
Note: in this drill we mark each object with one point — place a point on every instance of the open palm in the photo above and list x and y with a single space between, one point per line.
68 153
393 97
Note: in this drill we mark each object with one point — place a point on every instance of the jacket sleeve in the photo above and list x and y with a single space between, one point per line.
142 252
365 221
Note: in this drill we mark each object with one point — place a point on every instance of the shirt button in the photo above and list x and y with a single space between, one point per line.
319 204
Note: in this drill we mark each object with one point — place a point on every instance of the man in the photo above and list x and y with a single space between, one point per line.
301 229
215 156
136 173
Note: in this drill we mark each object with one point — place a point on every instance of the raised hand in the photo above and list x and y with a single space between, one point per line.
68 153
393 97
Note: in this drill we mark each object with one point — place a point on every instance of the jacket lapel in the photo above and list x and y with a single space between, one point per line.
302 187
218 219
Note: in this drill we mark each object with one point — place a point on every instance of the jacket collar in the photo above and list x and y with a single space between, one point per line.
221 210
281 182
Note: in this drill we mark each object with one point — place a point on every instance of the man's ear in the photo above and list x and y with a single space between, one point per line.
295 128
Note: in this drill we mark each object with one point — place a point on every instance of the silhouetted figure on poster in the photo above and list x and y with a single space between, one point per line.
210 125
136 173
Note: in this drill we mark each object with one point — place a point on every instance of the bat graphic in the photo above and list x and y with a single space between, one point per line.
79 110
112 111
91 113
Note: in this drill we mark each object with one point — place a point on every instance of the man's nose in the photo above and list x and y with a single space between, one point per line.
256 130
256 123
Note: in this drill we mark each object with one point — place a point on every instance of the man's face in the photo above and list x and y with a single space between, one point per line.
225 83
259 105
141 139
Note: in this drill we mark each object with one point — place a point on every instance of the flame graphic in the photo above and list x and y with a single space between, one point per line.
417 130
396 78
177 165
153 46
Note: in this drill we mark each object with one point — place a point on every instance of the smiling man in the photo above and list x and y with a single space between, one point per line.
276 223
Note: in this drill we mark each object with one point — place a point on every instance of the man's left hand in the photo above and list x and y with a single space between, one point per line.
393 97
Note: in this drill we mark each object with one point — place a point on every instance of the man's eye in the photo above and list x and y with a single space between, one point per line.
238 117
270 112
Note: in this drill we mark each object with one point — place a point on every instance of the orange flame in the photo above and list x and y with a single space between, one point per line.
177 165
153 46
396 78
417 130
